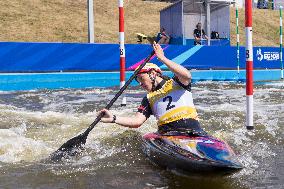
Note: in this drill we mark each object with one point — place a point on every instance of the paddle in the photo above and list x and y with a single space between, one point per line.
70 147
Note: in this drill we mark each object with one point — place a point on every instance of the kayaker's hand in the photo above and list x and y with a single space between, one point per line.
158 51
107 117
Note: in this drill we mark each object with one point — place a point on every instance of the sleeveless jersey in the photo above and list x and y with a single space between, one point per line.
171 103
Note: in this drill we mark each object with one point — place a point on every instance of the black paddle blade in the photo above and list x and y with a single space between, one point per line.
69 148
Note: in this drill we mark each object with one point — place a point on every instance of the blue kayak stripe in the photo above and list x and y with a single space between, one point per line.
184 56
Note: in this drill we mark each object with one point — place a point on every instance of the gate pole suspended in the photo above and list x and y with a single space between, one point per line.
122 49
91 33
281 41
238 40
249 65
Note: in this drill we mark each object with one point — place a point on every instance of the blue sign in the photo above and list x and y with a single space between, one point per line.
56 57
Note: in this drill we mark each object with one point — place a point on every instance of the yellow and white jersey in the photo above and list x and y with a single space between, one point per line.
171 103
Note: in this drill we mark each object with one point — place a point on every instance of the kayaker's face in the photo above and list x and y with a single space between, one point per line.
145 82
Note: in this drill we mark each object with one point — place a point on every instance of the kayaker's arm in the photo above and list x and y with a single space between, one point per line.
132 122
180 72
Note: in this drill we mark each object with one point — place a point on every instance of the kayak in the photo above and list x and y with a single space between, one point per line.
191 153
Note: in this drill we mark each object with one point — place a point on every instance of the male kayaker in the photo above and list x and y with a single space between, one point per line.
168 99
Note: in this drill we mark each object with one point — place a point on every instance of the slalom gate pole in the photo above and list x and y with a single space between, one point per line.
238 40
249 65
91 32
281 41
122 49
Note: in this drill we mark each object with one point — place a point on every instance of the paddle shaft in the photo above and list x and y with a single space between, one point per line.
67 148
119 93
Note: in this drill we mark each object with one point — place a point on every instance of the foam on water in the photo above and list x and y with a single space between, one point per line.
275 84
66 124
16 147
252 147
31 132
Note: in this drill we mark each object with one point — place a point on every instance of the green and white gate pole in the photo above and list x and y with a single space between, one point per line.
238 40
281 36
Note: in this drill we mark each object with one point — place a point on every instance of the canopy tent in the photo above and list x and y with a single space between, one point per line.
180 19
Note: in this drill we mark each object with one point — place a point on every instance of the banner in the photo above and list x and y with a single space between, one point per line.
64 57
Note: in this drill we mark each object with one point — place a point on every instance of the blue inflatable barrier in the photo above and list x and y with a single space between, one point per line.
56 57
26 66
32 81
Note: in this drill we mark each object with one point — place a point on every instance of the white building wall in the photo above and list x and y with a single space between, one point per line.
171 20
241 3
278 3
220 22
190 24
